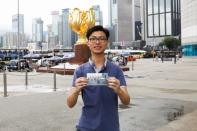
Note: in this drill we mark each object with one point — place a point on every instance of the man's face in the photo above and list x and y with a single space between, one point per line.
97 42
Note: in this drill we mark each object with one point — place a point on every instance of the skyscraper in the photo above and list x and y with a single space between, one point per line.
55 20
17 32
65 32
122 21
15 23
37 30
98 15
1 41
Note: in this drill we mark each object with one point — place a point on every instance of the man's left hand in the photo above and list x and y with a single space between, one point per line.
114 84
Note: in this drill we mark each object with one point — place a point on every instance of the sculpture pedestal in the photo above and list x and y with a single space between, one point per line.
82 54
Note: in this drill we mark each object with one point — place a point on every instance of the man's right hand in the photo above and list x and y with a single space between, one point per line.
80 83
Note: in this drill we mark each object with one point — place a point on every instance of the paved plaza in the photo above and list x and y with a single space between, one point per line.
164 98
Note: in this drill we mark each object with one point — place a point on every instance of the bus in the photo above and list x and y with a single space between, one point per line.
127 52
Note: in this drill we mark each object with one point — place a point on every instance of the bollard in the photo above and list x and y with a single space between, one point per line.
162 58
156 57
132 65
175 59
26 78
5 84
64 69
54 79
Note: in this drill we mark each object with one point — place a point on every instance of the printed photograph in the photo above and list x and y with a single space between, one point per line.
97 78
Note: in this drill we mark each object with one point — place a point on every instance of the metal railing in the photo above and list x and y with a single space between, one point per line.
26 81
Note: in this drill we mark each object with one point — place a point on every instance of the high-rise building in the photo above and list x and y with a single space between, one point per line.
37 30
10 40
53 35
122 22
161 18
137 20
98 15
125 22
65 32
55 20
1 41
189 27
18 32
15 25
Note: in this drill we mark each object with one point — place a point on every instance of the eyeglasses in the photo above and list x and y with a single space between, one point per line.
99 39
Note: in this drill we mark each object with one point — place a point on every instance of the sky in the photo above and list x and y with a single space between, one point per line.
42 8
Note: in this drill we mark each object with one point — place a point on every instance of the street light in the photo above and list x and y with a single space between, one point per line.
153 46
18 36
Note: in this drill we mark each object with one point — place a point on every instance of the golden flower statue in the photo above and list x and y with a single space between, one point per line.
80 22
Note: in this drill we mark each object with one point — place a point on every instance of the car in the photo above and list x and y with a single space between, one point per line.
13 65
120 60
2 66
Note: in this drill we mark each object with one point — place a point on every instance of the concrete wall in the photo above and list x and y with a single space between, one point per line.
189 22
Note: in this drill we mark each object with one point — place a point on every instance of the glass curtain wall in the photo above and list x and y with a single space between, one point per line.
163 17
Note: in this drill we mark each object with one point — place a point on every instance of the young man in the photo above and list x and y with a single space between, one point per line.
100 110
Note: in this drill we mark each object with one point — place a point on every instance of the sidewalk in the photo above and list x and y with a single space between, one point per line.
186 123
156 89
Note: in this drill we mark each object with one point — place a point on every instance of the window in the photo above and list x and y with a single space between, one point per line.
156 25
161 6
163 17
168 24
156 6
168 5
150 25
162 24
150 7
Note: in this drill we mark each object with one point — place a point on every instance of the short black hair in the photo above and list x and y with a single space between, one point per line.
97 28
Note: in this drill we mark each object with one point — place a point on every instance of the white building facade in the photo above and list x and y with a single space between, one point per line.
189 27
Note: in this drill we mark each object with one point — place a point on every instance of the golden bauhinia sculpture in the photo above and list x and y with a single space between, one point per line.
80 22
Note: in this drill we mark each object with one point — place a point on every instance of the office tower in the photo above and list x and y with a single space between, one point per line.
1 41
53 39
15 23
110 13
37 30
98 15
161 18
189 27
65 32
18 32
10 40
121 13
137 20
55 20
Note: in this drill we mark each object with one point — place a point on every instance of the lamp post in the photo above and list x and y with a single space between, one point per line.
18 35
40 45
153 46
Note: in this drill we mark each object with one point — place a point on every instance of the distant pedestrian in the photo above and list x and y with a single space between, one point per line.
100 109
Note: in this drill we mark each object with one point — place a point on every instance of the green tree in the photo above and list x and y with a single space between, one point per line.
171 43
